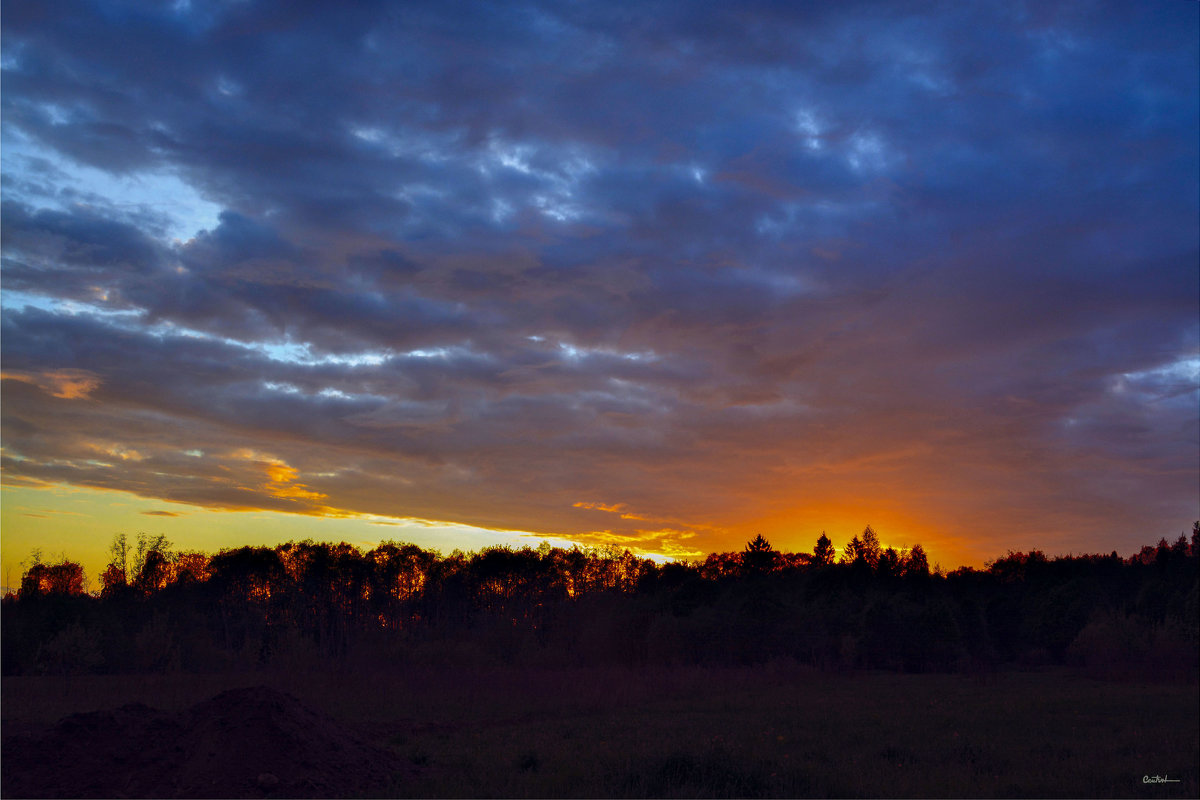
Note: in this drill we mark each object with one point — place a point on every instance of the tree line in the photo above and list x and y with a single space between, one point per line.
306 603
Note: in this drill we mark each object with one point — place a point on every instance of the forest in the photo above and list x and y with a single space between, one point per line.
302 603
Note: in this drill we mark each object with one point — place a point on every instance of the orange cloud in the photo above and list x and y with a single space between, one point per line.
69 384
116 451
667 542
618 508
282 483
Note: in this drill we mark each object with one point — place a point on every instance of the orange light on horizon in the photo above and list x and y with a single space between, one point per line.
798 531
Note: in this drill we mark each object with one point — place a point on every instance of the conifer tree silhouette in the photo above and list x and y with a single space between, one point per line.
823 553
758 556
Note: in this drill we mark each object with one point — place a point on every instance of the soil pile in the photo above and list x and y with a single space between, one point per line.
242 743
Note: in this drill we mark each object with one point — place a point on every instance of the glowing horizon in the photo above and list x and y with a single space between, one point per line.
79 523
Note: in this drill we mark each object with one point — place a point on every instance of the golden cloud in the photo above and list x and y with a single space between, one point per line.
618 508
69 384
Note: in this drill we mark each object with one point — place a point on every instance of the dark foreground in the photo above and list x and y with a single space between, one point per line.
775 731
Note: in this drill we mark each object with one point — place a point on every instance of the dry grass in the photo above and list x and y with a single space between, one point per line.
781 731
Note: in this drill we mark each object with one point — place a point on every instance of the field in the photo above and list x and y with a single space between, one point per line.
778 731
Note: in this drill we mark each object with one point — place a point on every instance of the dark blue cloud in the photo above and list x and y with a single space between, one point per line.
549 250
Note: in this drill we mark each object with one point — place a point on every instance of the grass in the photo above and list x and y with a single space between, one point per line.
781 731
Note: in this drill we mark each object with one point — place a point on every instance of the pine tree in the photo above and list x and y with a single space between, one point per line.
758 556
823 553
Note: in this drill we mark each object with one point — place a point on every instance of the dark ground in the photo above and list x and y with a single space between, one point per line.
252 742
775 731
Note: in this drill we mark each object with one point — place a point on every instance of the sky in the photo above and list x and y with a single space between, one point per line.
656 275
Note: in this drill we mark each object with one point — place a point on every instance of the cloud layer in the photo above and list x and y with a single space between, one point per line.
652 274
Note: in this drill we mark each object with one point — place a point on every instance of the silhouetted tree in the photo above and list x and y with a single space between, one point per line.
823 553
889 563
916 565
870 548
864 550
147 544
64 578
1145 555
154 573
119 550
758 555
853 552
112 581
1180 548
245 581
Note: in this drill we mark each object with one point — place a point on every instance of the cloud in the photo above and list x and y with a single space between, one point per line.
66 384
745 268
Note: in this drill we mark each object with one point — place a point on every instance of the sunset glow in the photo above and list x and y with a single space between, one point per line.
656 278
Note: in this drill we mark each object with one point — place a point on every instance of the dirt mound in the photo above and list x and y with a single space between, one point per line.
242 743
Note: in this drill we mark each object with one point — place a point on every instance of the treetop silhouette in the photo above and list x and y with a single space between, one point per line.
878 607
